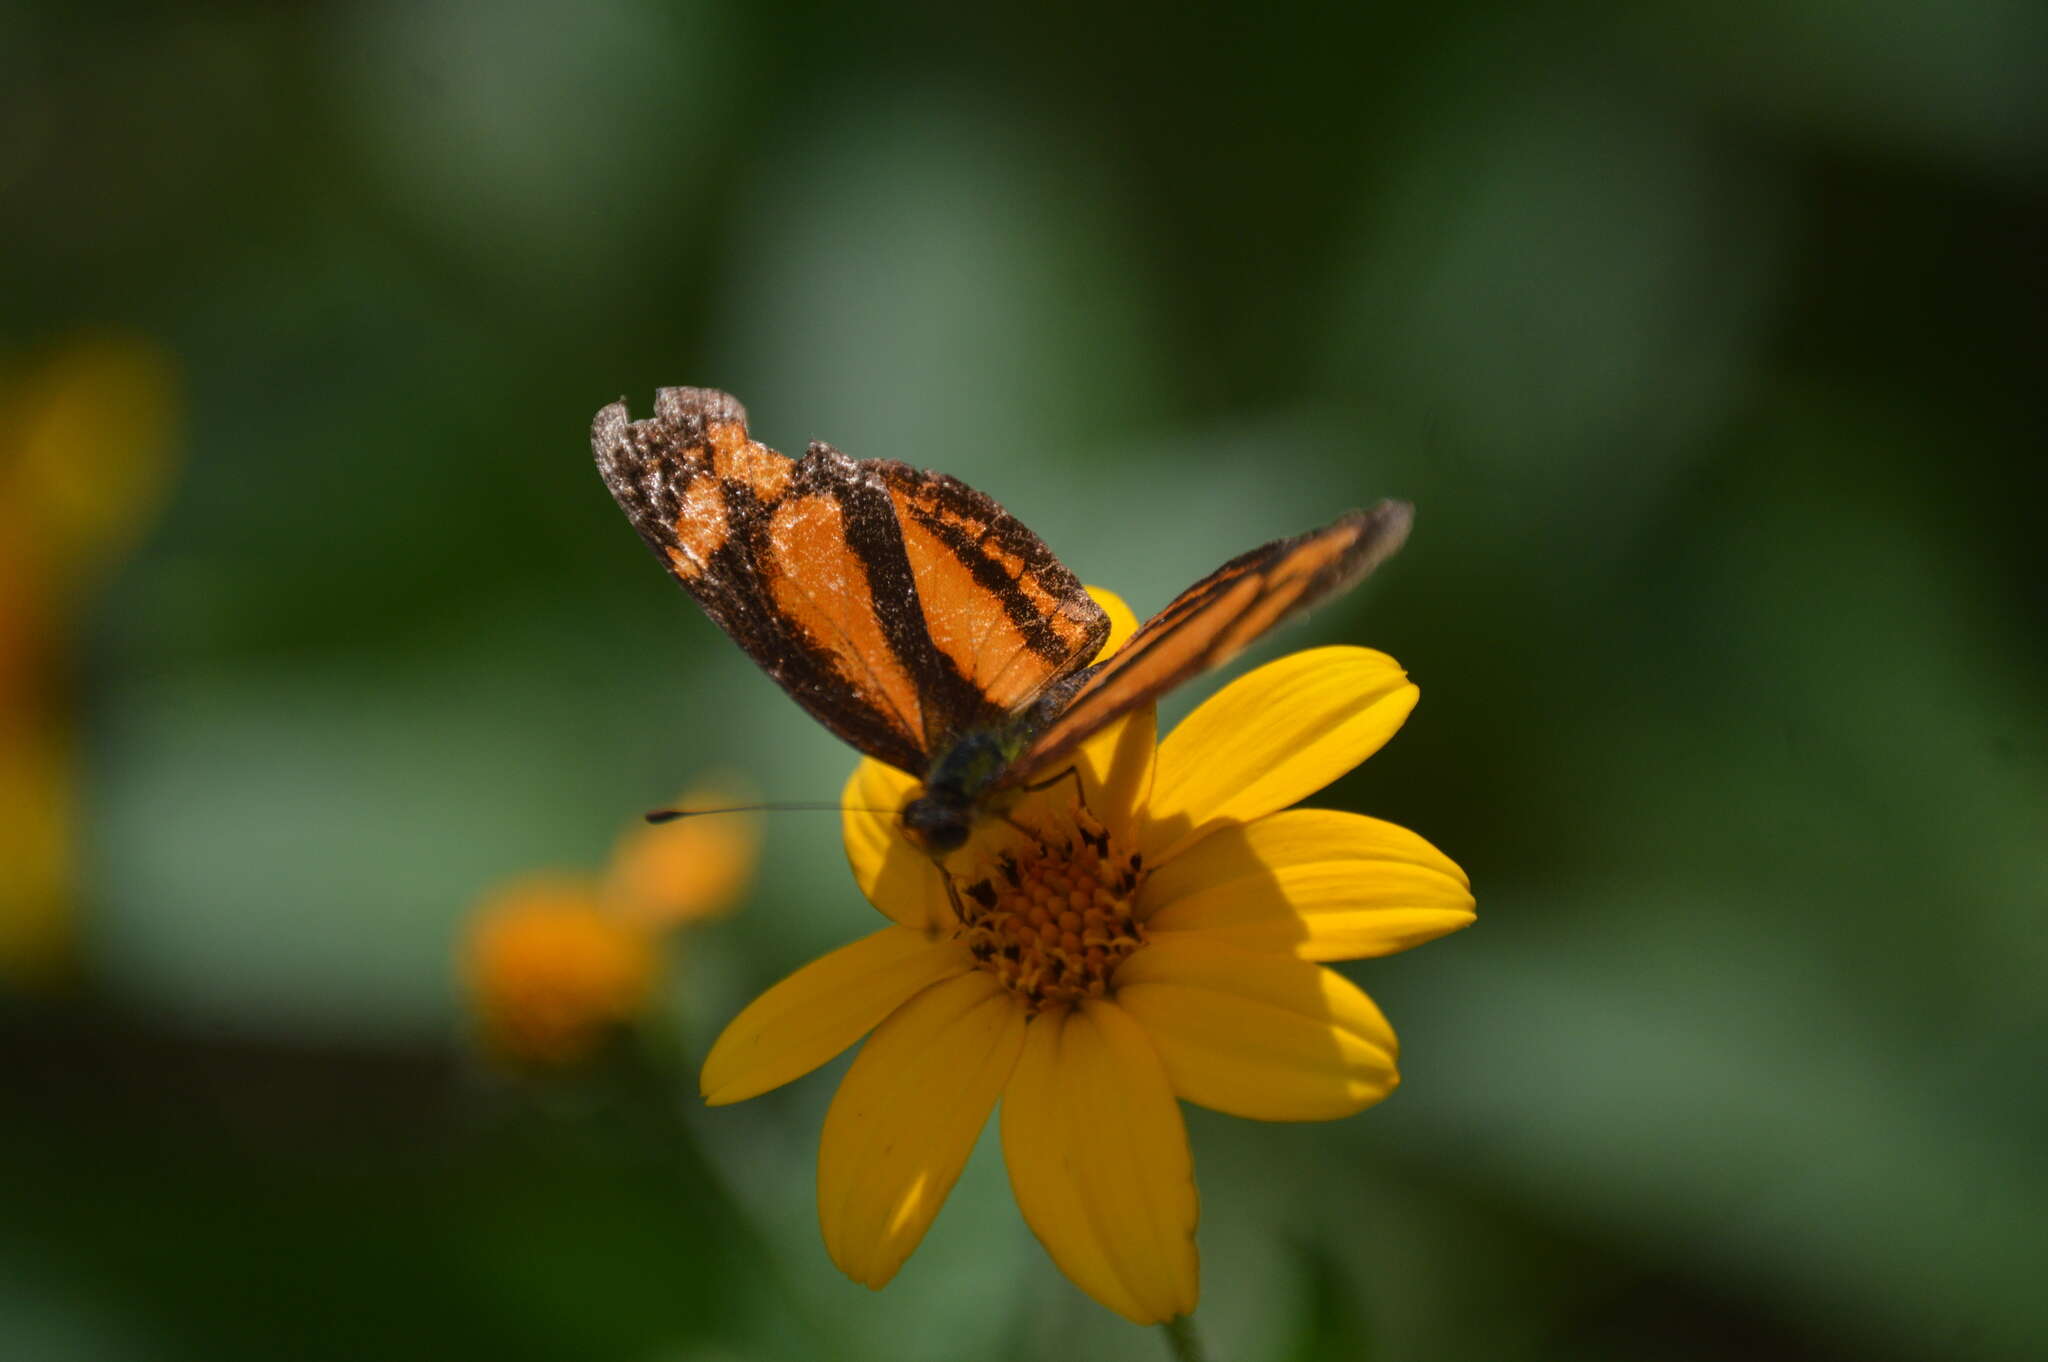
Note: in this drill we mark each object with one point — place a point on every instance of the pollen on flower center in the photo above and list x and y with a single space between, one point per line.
1054 921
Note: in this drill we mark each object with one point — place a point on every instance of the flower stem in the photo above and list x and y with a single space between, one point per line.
1186 1343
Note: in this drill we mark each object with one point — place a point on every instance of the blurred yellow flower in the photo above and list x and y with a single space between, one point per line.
1156 935
85 447
664 875
553 975
558 965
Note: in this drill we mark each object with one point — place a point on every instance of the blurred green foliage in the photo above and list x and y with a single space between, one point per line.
1706 340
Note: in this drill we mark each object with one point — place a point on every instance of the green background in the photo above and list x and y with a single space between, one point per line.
1704 340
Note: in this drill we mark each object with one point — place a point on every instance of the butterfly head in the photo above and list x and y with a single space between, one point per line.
957 791
937 823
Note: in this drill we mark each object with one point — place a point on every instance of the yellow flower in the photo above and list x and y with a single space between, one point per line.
668 874
85 449
552 975
1149 931
556 966
85 445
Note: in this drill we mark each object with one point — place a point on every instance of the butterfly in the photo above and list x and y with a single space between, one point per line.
915 618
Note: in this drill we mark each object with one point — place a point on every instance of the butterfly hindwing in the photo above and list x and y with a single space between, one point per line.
1218 617
902 609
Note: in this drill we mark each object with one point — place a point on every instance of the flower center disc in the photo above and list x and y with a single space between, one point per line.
1054 921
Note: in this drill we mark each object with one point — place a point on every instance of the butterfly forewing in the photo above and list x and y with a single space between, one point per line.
1008 614
727 515
1218 617
902 609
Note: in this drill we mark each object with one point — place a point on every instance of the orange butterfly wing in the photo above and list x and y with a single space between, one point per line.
902 609
1218 617
997 604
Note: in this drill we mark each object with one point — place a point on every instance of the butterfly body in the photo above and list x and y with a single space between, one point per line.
958 786
914 617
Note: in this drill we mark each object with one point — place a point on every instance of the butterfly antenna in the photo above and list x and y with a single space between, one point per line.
671 815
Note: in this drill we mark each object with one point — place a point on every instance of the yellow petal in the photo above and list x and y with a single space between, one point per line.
1272 737
1115 765
1099 1162
898 879
1314 883
905 1119
1115 770
822 1008
1262 1036
1122 623
1118 764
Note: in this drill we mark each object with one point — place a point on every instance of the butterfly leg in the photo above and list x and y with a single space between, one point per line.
1028 831
1080 794
1080 797
952 896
